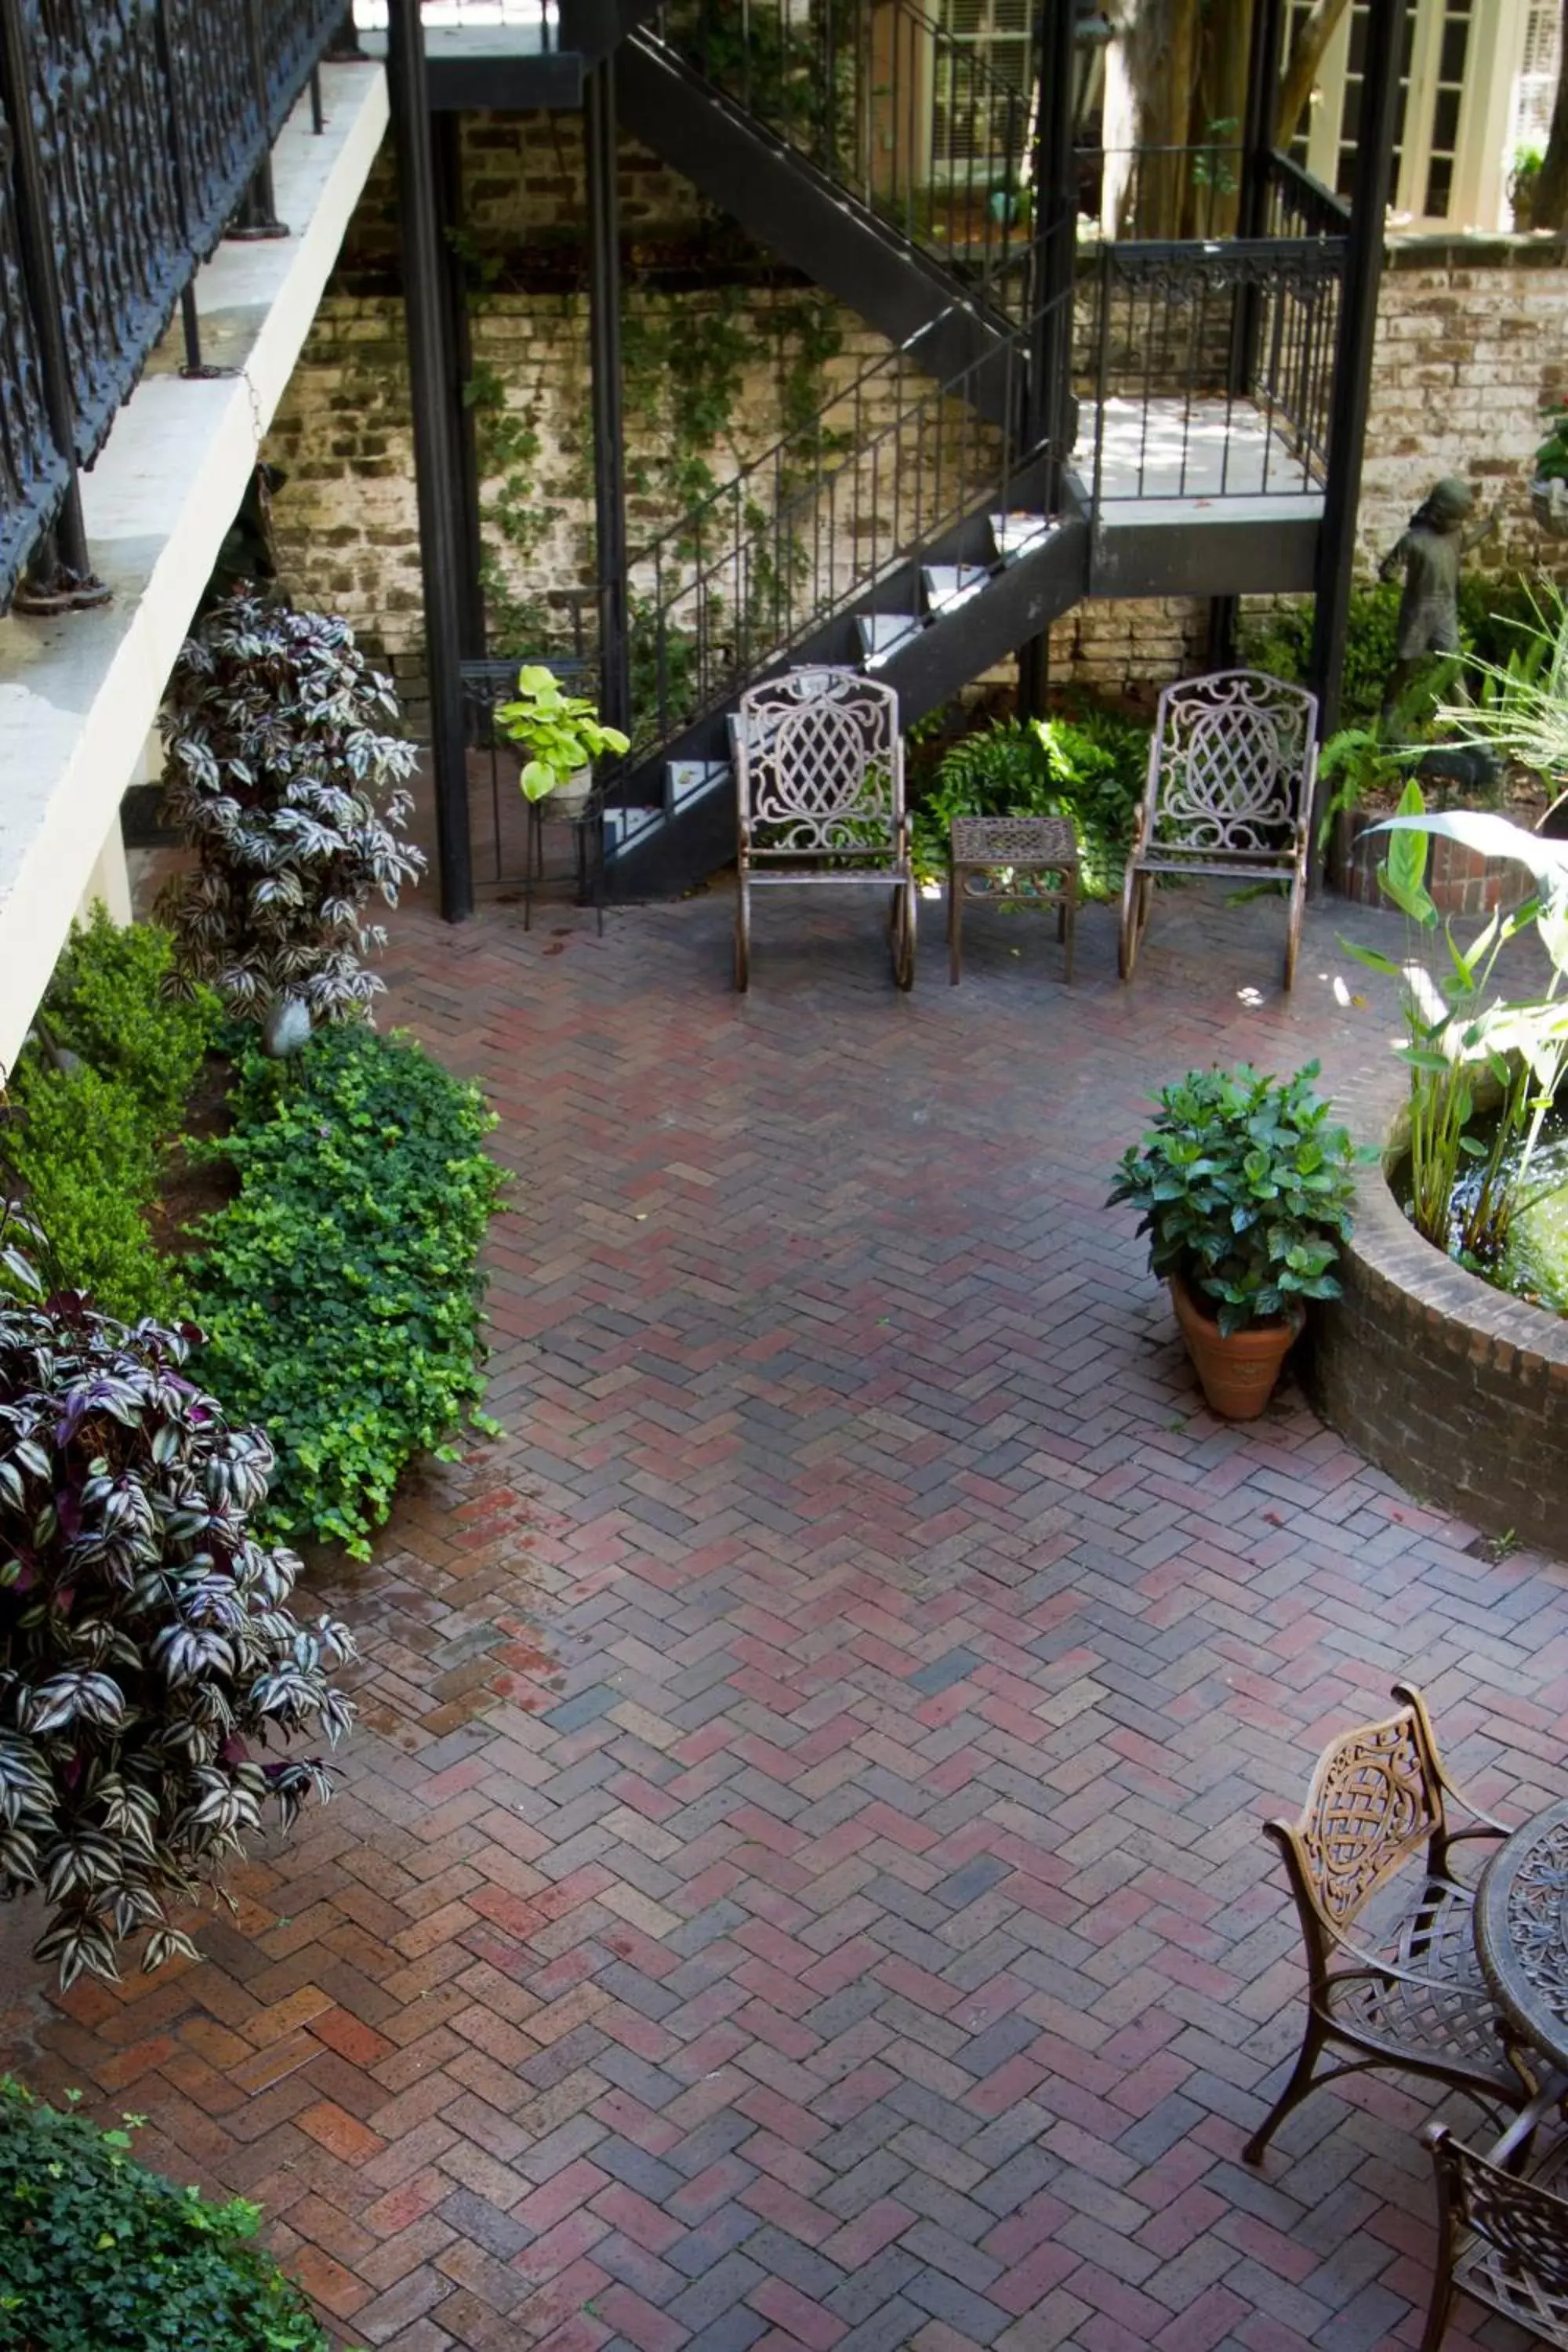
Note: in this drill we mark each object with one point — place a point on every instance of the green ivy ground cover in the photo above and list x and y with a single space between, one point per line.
98 2254
341 1291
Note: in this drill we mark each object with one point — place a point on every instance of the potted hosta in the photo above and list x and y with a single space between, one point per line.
1246 1192
560 737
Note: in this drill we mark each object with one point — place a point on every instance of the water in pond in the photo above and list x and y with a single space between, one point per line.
1533 1262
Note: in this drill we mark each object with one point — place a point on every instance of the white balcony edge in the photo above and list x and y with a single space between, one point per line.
79 695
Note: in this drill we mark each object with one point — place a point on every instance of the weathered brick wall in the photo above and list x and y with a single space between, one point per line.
1471 341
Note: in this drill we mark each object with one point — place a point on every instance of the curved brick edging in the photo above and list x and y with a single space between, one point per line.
1454 1389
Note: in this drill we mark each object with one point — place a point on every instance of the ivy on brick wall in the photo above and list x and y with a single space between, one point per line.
688 369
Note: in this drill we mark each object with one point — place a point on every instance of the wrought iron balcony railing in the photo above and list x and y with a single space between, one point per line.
131 132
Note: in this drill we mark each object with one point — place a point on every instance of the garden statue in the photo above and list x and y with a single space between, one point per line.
1430 550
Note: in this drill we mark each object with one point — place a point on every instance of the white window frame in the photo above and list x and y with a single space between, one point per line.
1483 158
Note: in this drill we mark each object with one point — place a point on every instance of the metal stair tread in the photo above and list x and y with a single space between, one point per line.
686 779
949 585
1017 535
882 634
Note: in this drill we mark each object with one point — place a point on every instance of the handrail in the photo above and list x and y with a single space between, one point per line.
1301 191
894 109
779 456
782 574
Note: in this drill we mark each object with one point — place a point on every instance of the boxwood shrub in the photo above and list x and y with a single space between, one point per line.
98 2254
100 1093
340 1292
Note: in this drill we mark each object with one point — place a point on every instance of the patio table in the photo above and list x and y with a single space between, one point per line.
1521 1931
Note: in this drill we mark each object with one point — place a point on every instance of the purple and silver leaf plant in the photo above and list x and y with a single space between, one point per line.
284 776
149 1661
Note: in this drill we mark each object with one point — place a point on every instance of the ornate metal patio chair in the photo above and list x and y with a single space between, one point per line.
1502 2232
820 794
1412 1999
1231 768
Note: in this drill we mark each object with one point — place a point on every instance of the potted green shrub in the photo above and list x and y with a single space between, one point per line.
1549 484
1246 1192
560 736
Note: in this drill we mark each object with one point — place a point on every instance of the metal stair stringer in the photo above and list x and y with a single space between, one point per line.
797 211
1019 599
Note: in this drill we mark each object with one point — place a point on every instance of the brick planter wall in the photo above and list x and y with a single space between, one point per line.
1460 880
1454 1389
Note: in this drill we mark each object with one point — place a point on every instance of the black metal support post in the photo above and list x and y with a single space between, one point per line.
1375 132
435 464
609 439
61 576
1251 221
445 135
1051 286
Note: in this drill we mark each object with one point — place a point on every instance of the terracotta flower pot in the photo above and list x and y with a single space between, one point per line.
1237 1375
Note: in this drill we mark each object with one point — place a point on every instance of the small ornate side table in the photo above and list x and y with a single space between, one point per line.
1011 861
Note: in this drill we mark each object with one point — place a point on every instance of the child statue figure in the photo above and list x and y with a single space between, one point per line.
1430 551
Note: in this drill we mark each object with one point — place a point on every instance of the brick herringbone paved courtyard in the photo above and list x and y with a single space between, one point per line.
798 1881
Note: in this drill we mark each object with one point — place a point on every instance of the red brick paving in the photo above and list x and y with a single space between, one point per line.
798 1882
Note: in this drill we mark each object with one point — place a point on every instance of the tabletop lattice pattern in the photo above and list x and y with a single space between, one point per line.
1370 1806
1537 1918
1043 841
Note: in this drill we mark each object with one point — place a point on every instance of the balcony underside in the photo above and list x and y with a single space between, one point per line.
1197 498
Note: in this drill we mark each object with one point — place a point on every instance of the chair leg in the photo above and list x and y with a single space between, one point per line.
955 928
1134 916
742 936
1295 2090
1437 2311
1069 928
904 905
1293 935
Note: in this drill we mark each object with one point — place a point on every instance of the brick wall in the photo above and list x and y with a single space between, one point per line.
1471 340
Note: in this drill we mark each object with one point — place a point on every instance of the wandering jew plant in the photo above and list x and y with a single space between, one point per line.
282 776
146 1644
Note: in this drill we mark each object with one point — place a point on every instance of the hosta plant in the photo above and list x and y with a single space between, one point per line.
148 1657
283 775
1246 1192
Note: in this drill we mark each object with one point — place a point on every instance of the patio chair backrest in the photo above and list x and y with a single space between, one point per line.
1375 1801
1524 2230
1231 765
819 766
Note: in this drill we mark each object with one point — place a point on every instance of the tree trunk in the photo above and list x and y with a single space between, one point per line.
1549 191
1218 109
1151 70
1318 29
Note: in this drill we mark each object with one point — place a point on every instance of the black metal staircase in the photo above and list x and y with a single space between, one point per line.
866 146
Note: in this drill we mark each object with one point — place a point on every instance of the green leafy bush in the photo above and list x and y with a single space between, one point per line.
98 2254
341 1291
1246 1192
1278 639
1090 767
95 1120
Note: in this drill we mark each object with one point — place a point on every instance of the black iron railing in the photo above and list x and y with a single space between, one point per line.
799 537
1298 205
922 128
1213 370
145 122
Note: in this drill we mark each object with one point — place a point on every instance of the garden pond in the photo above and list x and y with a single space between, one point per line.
1532 1261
